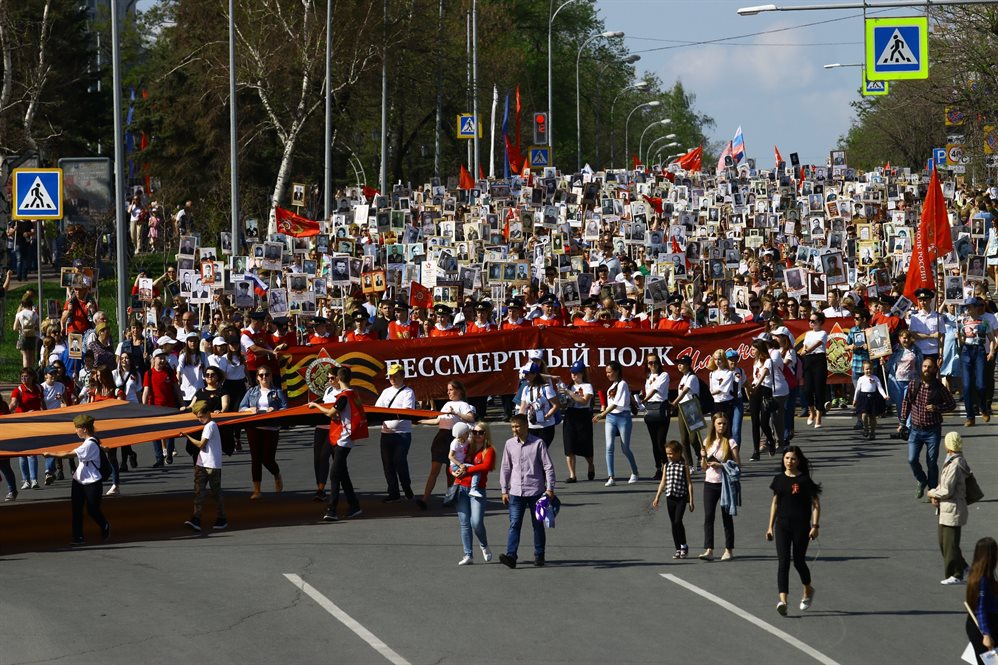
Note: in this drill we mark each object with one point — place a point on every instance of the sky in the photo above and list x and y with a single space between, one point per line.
773 84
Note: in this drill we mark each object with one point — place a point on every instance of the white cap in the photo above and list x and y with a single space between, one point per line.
158 352
535 354
460 429
165 339
219 341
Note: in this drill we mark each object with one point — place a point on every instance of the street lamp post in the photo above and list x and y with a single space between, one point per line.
646 105
550 83
578 99
640 85
657 123
653 142
759 9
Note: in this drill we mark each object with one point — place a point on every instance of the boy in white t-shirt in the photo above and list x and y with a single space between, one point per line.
458 453
208 467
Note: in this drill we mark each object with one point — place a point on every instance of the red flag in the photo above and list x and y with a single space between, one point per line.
419 295
676 249
779 157
922 266
481 173
800 181
518 107
936 219
370 192
634 158
514 157
692 161
465 179
656 202
294 225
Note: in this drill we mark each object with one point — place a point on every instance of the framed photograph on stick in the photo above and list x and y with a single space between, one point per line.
878 341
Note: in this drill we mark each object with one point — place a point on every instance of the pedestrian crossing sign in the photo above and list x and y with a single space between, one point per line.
37 194
467 126
874 88
897 48
540 156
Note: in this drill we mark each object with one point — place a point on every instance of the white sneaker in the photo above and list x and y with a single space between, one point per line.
35 485
610 482
475 493
26 485
805 602
810 420
633 479
951 580
113 491
487 554
466 561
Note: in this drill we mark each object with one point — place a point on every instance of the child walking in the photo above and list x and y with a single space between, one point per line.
678 488
869 400
207 467
458 453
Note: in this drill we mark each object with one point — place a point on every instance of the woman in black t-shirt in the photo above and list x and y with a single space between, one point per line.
793 521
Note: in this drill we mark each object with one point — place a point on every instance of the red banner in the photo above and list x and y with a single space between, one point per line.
489 364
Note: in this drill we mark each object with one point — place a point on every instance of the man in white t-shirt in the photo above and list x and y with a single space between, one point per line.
208 467
396 435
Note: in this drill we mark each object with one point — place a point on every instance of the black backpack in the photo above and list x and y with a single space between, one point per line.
105 463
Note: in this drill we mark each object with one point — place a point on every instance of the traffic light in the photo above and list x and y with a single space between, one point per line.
540 129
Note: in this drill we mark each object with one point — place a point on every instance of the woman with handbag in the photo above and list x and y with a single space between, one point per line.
578 427
657 417
619 420
950 499
539 402
982 598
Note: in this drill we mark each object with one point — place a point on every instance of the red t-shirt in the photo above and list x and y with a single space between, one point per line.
476 328
397 330
161 390
26 399
450 332
541 322
354 336
680 327
77 321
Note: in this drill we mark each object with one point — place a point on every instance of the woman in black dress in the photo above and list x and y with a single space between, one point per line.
793 521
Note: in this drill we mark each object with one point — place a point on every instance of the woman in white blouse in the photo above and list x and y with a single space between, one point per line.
815 368
578 427
656 398
723 383
455 410
618 420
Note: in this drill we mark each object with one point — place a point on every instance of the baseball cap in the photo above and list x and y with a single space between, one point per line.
394 368
460 429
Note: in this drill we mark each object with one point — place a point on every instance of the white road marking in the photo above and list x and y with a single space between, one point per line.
734 609
347 620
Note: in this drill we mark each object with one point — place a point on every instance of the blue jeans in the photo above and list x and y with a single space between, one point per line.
902 390
471 517
517 506
972 361
930 439
29 467
157 448
737 413
619 424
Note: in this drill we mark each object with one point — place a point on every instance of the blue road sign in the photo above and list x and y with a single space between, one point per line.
897 48
540 157
939 157
37 194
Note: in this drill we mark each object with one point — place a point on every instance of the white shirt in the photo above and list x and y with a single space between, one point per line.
132 385
88 470
460 450
927 323
618 396
692 385
722 385
657 387
869 384
812 337
540 399
53 394
584 390
210 456
780 386
401 398
836 312
191 376
450 412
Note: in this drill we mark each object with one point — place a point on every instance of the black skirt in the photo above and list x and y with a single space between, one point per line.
578 432
870 403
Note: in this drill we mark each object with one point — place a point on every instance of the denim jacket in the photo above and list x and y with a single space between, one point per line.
276 398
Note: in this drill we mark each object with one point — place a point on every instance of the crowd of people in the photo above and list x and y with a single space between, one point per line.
671 252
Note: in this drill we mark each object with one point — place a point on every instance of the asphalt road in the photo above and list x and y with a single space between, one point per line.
386 587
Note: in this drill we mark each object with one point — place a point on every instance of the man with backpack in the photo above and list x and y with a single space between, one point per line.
88 479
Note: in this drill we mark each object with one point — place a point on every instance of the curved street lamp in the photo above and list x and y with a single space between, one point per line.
651 144
647 105
640 85
578 99
550 24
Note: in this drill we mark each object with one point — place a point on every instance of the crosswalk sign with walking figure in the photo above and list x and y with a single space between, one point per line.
37 194
897 48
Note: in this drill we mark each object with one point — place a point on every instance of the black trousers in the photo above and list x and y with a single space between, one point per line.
339 476
263 452
761 418
546 434
395 461
975 637
90 496
657 421
816 381
322 452
791 543
677 508
711 497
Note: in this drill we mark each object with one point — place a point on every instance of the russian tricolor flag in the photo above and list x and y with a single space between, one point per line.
259 286
738 146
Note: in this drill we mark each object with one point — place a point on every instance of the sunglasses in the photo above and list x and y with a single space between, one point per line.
263 374
814 320
478 432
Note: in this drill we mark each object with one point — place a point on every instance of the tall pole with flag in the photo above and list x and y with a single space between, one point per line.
933 240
